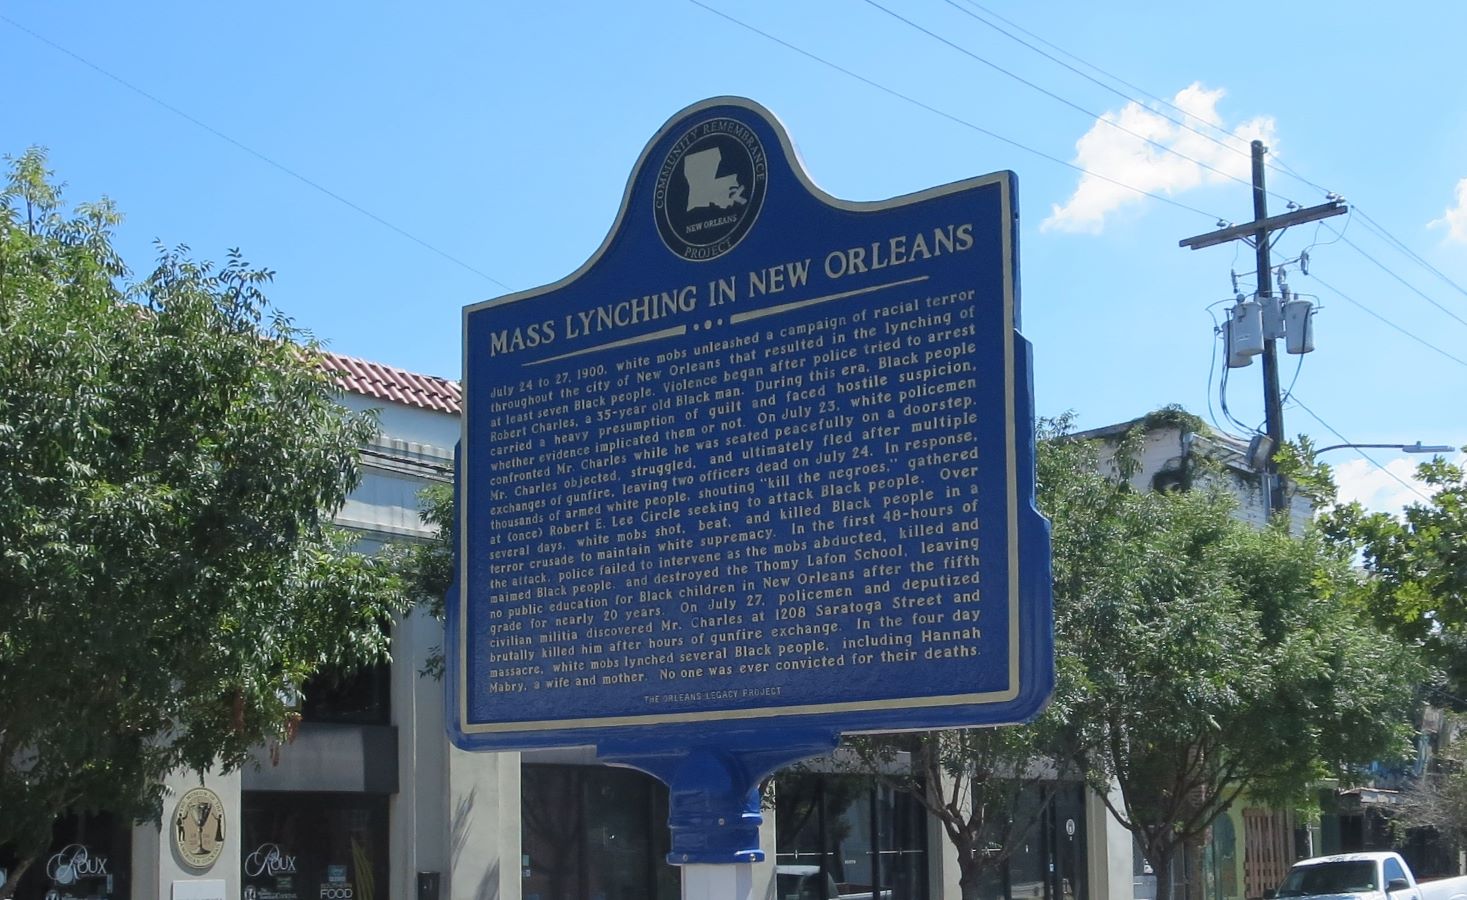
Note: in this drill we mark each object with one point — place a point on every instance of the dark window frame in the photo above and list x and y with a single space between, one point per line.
884 814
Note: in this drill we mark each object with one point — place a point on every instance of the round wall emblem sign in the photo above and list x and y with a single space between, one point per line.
710 189
198 827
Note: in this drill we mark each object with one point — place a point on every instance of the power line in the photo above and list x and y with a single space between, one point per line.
1057 97
1417 338
1376 227
1368 458
1222 388
1185 115
1384 268
1181 122
947 115
1212 368
251 151
1222 399
1275 163
1223 391
924 106
1111 75
1286 169
1379 230
1411 254
1316 242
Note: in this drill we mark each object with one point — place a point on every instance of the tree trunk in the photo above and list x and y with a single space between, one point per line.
1162 860
969 888
1192 853
969 877
12 880
971 866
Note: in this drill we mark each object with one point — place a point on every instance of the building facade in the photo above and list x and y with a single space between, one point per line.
371 801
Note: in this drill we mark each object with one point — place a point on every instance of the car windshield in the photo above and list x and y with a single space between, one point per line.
1329 878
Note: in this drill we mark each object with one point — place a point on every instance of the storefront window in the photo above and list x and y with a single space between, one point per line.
87 860
359 697
1047 861
1220 861
902 839
843 835
1067 826
1028 863
317 846
594 833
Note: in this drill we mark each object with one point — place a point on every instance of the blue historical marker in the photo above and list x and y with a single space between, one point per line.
759 473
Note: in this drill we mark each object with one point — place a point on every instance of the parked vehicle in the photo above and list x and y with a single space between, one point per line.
1365 876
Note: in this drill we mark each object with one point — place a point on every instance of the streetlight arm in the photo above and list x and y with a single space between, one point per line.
1417 447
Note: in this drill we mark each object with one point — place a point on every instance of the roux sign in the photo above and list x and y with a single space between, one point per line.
74 863
765 462
268 859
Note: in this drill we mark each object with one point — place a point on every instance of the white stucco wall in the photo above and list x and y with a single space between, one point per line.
409 423
1109 848
157 866
1165 449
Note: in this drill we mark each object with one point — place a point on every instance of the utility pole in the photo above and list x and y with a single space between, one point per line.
1273 402
1258 234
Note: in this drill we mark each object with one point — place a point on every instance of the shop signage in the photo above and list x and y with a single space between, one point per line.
268 859
765 461
73 863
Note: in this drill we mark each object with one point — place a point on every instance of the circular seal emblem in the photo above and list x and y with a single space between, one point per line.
198 827
710 189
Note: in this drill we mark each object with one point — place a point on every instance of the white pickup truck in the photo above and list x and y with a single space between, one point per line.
1365 876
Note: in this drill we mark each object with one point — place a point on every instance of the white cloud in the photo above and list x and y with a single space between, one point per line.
1359 480
1130 160
1455 217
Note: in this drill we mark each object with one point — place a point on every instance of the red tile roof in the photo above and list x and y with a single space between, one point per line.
380 382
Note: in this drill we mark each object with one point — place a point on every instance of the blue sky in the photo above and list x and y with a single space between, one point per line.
395 164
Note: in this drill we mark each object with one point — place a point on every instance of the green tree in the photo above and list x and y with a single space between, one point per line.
169 462
1198 660
1417 589
426 567
1218 660
1438 799
1418 565
988 787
